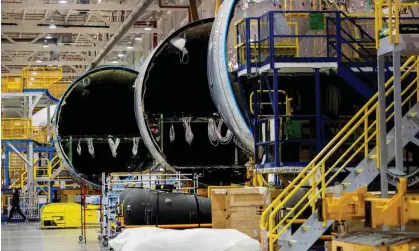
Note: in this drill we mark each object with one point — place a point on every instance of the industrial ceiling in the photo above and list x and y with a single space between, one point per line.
71 33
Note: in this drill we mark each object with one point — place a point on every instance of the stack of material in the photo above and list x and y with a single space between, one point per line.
239 208
156 239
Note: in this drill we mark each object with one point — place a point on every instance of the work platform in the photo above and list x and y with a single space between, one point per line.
29 163
363 148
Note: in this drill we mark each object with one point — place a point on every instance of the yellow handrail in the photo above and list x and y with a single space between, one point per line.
393 19
319 162
287 101
42 171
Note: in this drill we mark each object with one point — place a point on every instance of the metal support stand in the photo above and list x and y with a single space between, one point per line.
398 112
382 126
318 111
276 117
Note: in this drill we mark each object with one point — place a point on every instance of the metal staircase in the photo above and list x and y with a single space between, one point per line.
325 170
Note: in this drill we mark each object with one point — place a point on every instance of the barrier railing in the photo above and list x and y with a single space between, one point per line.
11 83
388 20
273 37
40 77
21 181
42 168
58 89
16 128
335 156
40 134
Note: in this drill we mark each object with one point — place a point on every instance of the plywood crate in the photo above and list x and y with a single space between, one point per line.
239 208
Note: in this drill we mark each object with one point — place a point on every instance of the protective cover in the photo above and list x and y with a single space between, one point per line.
152 239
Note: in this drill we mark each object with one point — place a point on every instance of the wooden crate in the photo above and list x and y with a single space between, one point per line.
239 208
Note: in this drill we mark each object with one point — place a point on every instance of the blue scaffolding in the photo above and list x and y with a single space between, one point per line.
275 48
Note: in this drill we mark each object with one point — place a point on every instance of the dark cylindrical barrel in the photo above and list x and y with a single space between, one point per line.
172 84
151 207
99 105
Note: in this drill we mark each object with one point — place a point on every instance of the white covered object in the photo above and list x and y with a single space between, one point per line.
41 118
132 234
187 240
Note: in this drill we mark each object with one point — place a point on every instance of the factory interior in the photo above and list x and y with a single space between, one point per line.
210 125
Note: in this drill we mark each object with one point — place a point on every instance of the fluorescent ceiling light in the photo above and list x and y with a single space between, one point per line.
45 44
52 25
114 61
120 54
38 60
62 1
48 36
147 29
34 73
138 38
32 79
129 46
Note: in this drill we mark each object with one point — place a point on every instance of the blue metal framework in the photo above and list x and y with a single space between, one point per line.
260 58
46 91
7 150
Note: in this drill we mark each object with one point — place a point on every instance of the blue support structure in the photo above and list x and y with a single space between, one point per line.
276 117
318 111
260 56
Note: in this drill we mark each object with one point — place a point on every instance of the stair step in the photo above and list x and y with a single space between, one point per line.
312 229
359 171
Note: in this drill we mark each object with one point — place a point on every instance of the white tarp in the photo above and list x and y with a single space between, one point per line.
40 118
155 239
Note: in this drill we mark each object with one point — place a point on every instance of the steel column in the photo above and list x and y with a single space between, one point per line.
382 126
48 122
318 111
6 177
397 111
31 188
276 117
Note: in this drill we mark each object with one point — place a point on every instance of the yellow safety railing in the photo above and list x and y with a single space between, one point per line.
16 128
393 18
42 168
40 77
40 134
55 163
344 155
11 83
21 181
287 102
58 89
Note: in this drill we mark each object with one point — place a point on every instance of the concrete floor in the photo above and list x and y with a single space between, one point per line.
28 236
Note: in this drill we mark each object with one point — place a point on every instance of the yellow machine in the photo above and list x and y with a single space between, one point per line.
68 215
376 242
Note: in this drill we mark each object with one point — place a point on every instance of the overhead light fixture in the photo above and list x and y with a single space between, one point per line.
48 36
120 55
138 38
115 61
30 83
45 44
147 28
62 1
38 60
52 25
32 79
59 65
130 46
34 73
